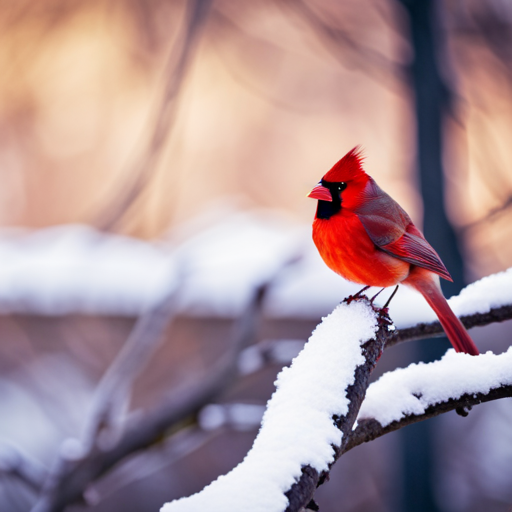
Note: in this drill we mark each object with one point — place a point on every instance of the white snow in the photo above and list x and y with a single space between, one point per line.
75 269
409 308
297 427
226 262
489 292
67 269
412 390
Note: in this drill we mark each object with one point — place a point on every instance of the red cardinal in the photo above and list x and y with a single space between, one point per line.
366 237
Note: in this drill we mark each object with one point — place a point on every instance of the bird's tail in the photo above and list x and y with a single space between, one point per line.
428 285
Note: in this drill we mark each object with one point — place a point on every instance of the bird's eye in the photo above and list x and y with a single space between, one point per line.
341 186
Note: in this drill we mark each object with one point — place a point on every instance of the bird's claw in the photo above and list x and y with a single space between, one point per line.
358 296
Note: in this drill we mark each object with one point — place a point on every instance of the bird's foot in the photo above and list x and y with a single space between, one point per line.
356 296
383 317
386 306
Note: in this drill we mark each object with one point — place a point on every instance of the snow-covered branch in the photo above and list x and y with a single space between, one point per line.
434 329
421 391
369 429
307 420
481 303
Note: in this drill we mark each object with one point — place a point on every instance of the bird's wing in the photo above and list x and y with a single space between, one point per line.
391 230
417 251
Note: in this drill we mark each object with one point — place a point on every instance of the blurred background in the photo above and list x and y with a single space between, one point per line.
155 156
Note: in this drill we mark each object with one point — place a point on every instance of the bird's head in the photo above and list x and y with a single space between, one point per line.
344 183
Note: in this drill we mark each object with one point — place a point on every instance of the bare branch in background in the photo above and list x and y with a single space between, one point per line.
197 12
156 459
229 23
487 26
375 64
113 393
491 215
15 463
71 478
485 22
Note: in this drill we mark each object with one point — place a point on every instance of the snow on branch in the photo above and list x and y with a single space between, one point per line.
483 302
434 329
307 419
420 391
413 389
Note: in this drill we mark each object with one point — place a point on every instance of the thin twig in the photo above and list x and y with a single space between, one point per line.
490 216
14 462
197 12
72 477
374 63
155 460
114 390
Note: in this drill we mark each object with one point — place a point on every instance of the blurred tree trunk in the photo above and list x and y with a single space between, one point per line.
431 101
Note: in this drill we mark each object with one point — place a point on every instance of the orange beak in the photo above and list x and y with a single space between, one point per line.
321 193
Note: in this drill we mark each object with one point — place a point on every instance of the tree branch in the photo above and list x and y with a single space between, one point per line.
15 463
73 477
374 63
197 12
413 389
301 493
490 216
151 461
434 329
113 392
370 429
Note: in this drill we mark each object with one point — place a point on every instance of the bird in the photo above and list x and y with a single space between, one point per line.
366 237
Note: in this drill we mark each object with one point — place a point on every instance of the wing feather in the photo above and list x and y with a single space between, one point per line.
391 230
417 251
